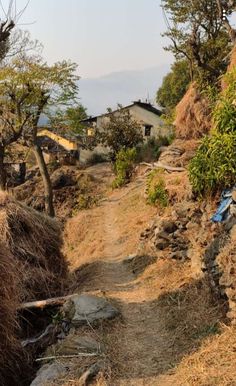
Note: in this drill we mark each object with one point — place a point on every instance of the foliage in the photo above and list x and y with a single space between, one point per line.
28 87
156 190
224 114
197 33
124 166
174 85
214 165
69 120
150 150
120 131
85 201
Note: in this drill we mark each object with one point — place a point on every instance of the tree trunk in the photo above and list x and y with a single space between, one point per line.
48 192
3 175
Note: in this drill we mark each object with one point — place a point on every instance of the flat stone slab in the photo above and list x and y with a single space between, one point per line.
84 309
49 373
74 344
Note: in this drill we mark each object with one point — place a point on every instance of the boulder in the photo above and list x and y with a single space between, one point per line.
84 309
74 344
49 373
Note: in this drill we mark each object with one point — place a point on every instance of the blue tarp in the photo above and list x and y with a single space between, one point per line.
222 212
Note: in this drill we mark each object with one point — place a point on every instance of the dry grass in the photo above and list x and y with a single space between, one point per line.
214 364
35 243
108 230
80 189
10 349
231 65
193 118
174 185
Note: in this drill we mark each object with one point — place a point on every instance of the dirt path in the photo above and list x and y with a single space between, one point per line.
141 346
137 343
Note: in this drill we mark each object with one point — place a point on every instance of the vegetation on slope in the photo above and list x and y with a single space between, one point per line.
214 165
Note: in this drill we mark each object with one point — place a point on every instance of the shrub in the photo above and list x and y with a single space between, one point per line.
224 114
124 167
120 131
214 165
156 190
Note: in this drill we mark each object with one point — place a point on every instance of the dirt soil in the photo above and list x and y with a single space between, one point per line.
166 314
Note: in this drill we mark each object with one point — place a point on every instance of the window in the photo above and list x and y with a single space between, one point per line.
147 130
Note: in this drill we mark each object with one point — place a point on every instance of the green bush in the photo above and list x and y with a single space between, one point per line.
124 167
214 165
224 114
156 190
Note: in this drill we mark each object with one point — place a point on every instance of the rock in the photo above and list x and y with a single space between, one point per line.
178 255
162 244
169 226
91 373
74 344
60 179
83 309
163 235
129 259
49 373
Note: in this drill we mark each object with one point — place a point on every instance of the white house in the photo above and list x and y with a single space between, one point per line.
148 116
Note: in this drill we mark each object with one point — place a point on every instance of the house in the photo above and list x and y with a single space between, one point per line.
148 116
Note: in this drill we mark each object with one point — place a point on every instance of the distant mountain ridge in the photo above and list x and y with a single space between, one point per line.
97 94
124 87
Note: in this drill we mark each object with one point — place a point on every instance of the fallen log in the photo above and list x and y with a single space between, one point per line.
45 303
160 165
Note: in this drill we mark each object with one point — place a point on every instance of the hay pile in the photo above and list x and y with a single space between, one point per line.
193 115
10 349
231 66
35 242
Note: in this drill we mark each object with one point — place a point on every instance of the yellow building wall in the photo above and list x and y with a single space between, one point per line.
64 142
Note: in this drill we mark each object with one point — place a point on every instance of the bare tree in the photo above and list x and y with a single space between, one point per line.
226 8
9 18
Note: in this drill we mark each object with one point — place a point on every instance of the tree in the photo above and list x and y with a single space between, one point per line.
28 88
120 131
8 21
174 86
69 120
197 33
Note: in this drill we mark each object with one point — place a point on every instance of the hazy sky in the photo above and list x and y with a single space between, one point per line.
102 36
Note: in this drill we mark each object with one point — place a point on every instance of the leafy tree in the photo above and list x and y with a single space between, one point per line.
69 120
174 85
28 88
120 131
197 32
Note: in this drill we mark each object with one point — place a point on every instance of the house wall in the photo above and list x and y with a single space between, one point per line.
143 116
